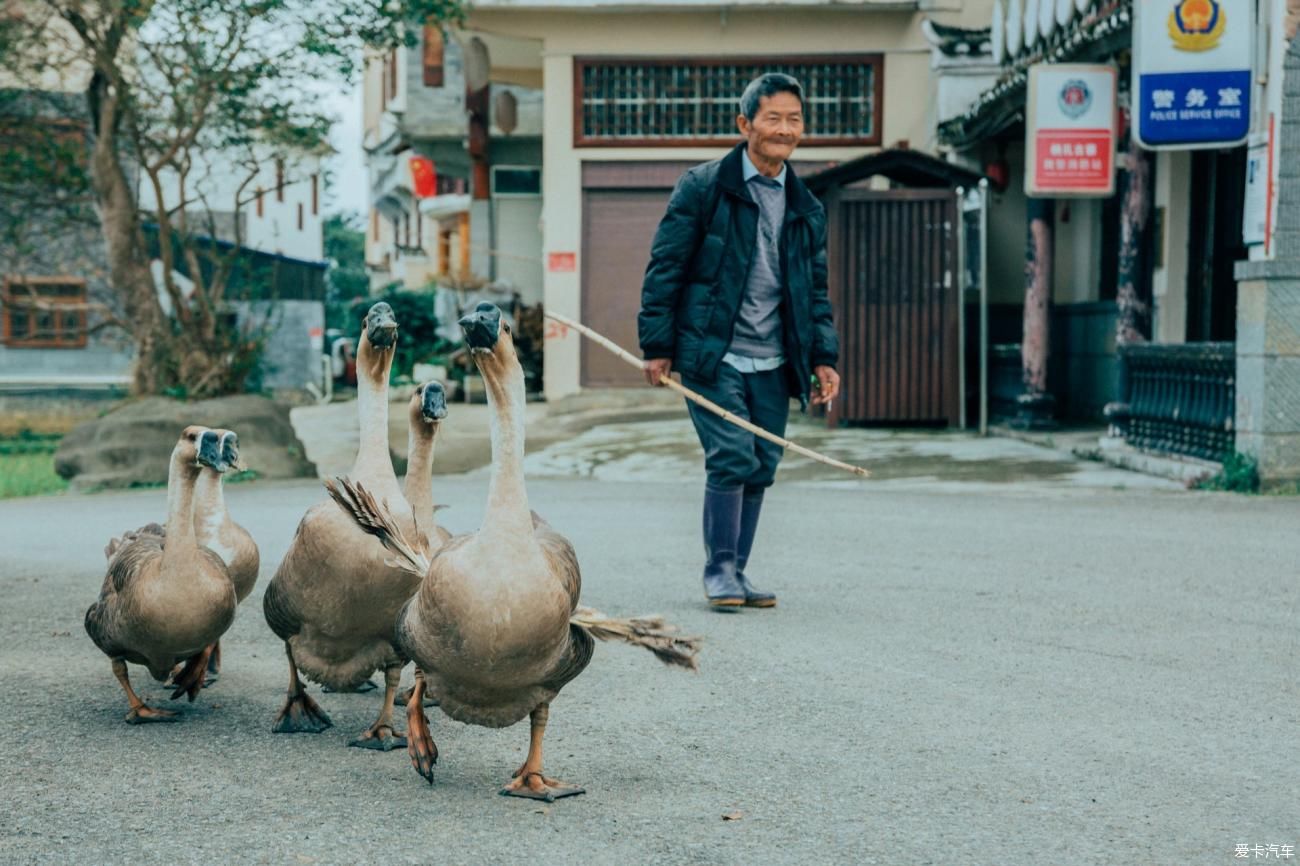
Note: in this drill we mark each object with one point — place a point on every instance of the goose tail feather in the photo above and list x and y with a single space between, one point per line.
648 632
375 518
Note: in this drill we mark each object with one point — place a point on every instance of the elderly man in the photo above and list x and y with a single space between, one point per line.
734 300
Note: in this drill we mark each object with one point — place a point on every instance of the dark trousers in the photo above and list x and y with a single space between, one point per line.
734 457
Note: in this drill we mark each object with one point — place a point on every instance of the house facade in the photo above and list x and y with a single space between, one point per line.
1130 307
454 163
636 93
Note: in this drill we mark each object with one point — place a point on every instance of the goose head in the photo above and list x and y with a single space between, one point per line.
490 341
429 403
230 449
200 446
380 326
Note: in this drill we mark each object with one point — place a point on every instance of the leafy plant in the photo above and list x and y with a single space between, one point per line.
1240 474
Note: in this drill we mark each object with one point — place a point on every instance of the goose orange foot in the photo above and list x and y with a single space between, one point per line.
191 679
144 714
381 738
530 783
301 715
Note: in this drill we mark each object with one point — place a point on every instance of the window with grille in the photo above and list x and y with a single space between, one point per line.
45 312
691 102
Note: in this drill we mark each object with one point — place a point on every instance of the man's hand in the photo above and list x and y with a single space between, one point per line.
828 385
656 367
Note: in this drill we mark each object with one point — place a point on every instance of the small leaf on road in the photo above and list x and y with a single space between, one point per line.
735 815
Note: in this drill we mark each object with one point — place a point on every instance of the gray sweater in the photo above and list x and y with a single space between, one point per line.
758 325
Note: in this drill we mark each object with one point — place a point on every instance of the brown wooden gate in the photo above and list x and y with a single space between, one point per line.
894 285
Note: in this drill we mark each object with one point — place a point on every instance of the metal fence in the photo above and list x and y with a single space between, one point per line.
1177 399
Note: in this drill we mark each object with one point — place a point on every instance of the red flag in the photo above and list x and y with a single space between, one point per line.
424 177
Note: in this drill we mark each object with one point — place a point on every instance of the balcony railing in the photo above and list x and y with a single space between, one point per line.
1177 399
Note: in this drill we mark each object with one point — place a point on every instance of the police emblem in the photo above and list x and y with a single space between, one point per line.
1074 98
1196 25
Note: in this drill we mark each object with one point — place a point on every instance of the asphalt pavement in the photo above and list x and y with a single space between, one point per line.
1025 670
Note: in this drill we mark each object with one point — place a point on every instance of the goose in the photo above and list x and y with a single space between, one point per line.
494 630
334 597
162 603
223 536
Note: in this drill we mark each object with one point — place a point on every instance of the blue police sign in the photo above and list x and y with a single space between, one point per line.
1192 72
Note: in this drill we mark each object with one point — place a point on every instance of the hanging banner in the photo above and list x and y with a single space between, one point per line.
424 177
1070 130
1192 72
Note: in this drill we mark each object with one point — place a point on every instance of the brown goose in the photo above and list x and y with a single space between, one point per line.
334 598
494 630
223 536
165 603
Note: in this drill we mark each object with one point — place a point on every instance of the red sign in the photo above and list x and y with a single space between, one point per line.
1070 130
562 263
1075 159
424 177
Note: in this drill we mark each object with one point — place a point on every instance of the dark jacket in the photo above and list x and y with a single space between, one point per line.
699 264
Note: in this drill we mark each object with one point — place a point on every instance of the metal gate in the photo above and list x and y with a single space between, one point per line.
894 285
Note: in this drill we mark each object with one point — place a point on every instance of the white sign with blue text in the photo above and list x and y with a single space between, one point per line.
1192 72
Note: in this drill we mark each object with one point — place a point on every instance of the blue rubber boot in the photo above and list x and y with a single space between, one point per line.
722 508
751 507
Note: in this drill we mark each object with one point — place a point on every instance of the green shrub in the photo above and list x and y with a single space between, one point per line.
1240 474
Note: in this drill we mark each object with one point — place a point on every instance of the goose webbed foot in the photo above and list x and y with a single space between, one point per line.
301 715
141 713
381 738
191 678
530 783
528 779
144 714
419 742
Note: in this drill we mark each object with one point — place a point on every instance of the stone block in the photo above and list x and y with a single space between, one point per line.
1249 386
1252 309
1281 395
1282 318
1278 456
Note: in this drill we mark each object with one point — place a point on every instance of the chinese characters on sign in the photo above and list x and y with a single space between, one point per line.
1192 72
1070 131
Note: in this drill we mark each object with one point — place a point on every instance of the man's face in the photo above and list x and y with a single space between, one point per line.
776 128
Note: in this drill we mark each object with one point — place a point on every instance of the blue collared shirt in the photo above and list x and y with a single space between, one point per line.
748 169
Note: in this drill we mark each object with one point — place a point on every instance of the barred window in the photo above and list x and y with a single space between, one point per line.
44 312
681 102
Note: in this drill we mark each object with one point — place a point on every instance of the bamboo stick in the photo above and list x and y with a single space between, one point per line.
699 400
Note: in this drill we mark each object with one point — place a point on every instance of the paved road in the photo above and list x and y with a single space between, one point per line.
1023 673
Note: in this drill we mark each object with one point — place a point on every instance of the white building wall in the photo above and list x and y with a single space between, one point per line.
290 222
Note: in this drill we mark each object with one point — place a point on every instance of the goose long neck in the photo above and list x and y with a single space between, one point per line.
209 507
372 405
507 508
180 502
419 468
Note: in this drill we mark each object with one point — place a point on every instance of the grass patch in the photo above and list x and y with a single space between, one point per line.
29 474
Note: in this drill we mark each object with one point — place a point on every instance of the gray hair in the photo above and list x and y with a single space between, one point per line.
766 85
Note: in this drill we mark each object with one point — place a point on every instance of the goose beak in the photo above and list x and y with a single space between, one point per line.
482 326
433 402
381 326
210 454
230 451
